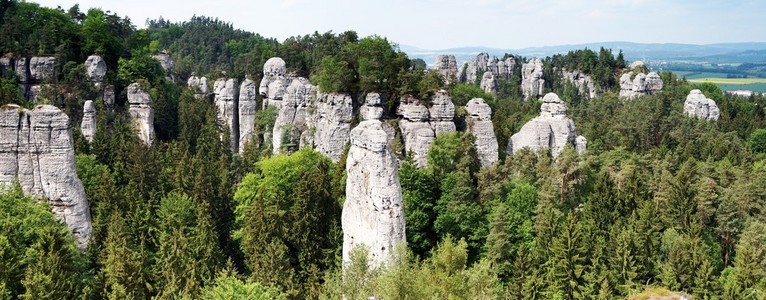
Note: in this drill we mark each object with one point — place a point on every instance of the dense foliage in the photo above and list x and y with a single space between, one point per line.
659 199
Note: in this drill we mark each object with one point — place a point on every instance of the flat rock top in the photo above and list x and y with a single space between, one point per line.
274 66
479 109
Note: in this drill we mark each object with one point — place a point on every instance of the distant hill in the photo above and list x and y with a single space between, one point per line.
721 52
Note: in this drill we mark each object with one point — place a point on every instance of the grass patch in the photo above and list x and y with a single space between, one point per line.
728 80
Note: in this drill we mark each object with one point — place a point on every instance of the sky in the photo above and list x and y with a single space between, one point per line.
442 24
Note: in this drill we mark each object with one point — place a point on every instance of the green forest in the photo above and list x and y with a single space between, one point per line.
659 203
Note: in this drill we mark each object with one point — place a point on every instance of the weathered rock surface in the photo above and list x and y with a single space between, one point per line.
108 97
95 68
420 125
581 81
634 83
36 149
226 104
329 125
273 69
489 83
141 112
552 129
446 65
7 64
88 124
481 127
42 69
373 213
167 64
697 105
199 85
483 63
248 106
532 81
292 113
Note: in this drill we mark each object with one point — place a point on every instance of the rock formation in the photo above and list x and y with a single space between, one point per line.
199 85
489 83
292 112
108 98
248 106
141 112
42 69
373 213
95 69
581 81
447 67
483 63
33 73
329 125
697 105
226 103
88 124
419 124
167 64
532 81
635 83
274 68
480 126
552 129
36 149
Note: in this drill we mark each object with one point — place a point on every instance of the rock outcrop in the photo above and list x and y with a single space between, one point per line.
36 149
635 83
373 213
446 66
532 81
581 81
108 98
697 105
480 126
248 106
199 85
552 129
501 69
167 64
489 83
274 69
420 125
42 69
292 112
329 125
95 69
226 96
141 112
88 124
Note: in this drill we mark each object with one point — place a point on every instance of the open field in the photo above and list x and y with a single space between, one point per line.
733 81
727 84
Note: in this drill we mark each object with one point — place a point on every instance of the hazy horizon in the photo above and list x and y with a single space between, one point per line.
434 25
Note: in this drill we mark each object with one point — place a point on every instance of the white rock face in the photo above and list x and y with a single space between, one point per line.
42 69
480 125
199 85
22 69
329 125
273 69
634 84
36 149
167 64
483 63
446 65
292 113
553 129
420 125
489 83
95 68
373 214
532 81
697 105
581 81
226 104
248 106
88 124
581 144
141 112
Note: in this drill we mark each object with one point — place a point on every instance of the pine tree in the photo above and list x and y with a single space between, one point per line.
121 274
568 255
52 269
498 246
623 261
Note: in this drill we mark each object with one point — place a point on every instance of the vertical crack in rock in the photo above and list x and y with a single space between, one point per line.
141 112
532 81
373 214
41 158
635 83
226 96
697 105
420 125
